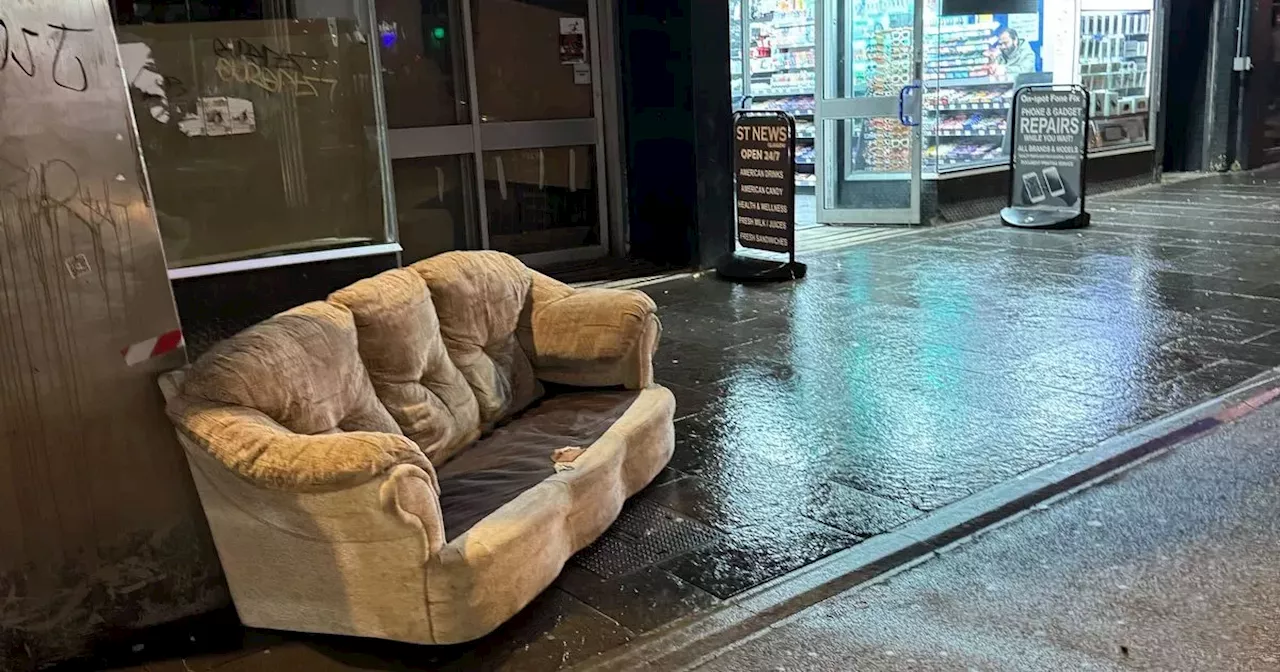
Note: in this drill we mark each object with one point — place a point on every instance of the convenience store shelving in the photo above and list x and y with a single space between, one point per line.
1115 48
771 56
961 90
879 65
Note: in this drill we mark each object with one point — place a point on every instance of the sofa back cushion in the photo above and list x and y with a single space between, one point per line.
484 304
300 368
401 345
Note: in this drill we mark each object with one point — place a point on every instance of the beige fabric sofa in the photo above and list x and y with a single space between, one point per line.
381 464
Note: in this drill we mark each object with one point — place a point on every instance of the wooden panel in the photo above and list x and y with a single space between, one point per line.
100 529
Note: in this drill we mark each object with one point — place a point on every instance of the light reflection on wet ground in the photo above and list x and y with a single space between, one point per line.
902 376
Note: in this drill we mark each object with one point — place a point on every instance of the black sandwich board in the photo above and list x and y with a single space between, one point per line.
1049 158
764 170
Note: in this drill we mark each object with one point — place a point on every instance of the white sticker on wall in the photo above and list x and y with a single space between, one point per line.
216 112
140 71
191 125
581 73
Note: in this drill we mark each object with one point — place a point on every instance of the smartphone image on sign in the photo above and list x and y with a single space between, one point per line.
1034 187
1054 179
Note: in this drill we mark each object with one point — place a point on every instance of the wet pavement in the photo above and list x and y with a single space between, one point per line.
900 376
1171 565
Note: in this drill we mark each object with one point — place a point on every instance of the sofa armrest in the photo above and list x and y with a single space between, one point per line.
399 505
256 448
265 464
348 560
592 337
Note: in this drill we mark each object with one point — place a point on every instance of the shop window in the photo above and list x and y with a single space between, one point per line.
435 205
1115 65
258 125
877 62
422 51
533 59
977 53
873 163
539 200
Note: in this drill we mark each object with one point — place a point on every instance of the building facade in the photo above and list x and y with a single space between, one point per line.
338 138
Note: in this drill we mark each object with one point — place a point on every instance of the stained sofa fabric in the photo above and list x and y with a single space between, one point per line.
331 444
321 425
518 456
411 370
483 299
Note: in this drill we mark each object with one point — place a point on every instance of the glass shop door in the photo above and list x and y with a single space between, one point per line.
869 111
496 125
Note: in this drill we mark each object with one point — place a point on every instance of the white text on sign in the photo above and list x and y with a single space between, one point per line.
763 133
1038 124
762 207
767 174
761 154
762 223
759 189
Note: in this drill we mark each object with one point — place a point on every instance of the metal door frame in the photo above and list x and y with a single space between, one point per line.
863 107
476 137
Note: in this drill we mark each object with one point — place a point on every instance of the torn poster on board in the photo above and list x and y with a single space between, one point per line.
220 115
573 40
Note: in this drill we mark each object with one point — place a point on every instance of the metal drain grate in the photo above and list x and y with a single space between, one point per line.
970 209
644 534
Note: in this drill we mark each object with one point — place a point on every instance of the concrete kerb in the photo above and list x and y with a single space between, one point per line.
687 642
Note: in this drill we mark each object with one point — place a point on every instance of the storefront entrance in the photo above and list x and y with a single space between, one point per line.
868 156
496 126
908 102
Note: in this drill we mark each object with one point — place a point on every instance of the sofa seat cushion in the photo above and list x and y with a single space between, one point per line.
491 571
518 455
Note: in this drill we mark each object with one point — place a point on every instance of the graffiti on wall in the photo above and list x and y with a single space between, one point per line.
241 70
294 74
275 80
61 67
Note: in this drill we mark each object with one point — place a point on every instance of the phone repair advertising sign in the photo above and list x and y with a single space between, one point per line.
766 175
1047 180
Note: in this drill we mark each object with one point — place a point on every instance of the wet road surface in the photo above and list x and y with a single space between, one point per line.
1169 566
900 376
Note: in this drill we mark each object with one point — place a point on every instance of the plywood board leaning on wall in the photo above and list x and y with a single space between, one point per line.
100 529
